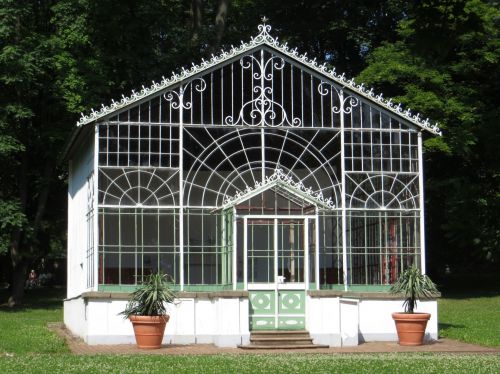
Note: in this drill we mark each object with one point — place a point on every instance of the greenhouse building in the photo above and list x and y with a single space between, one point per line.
277 193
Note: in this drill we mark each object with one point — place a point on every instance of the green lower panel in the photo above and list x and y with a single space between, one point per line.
262 323
290 311
291 323
291 302
262 302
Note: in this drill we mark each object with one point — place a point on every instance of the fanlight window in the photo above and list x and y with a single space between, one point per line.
383 191
138 187
221 163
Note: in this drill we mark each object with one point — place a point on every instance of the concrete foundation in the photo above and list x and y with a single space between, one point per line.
222 318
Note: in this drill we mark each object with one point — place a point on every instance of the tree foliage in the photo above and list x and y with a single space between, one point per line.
444 63
33 128
61 57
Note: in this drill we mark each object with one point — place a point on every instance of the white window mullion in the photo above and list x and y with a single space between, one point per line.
181 192
421 203
235 249
95 208
245 253
343 193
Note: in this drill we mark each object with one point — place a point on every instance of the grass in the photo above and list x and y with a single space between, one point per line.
26 345
470 308
470 319
284 363
24 330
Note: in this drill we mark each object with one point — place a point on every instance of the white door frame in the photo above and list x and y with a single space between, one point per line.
275 218
276 285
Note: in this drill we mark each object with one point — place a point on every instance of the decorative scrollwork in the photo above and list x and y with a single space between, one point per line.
346 102
176 99
262 110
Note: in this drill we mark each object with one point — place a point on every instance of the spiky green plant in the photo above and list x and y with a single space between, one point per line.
151 297
413 285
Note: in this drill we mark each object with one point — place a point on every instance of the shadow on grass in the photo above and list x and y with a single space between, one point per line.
444 327
40 298
469 285
468 294
448 326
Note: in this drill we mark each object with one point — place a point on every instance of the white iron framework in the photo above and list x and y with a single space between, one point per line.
214 174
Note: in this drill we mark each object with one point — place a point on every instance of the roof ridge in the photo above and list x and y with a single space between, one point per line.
263 37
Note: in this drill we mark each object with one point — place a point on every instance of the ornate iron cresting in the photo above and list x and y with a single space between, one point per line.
262 110
281 177
263 38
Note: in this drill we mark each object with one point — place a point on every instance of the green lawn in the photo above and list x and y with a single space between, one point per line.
25 330
284 363
26 345
471 319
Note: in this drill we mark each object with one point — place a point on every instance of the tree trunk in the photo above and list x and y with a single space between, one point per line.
196 9
220 22
44 195
22 254
18 281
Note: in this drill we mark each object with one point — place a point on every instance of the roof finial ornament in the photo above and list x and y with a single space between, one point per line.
264 30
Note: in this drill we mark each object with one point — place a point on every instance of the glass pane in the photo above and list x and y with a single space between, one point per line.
291 250
312 249
239 250
150 230
260 240
128 229
149 263
128 268
169 264
111 268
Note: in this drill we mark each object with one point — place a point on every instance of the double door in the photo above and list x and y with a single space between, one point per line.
277 270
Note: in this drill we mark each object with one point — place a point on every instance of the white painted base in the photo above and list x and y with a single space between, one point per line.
342 322
376 323
332 321
192 321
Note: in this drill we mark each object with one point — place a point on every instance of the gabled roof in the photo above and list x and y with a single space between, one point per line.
263 38
285 186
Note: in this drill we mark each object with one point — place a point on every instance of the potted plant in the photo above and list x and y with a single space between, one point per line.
146 309
410 325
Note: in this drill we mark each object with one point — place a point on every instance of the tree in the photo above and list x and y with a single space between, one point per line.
445 64
58 58
27 144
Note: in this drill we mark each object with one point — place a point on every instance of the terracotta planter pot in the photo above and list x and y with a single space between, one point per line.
149 330
411 327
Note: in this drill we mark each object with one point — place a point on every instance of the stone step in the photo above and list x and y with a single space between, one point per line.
281 336
283 346
281 333
281 339
273 332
